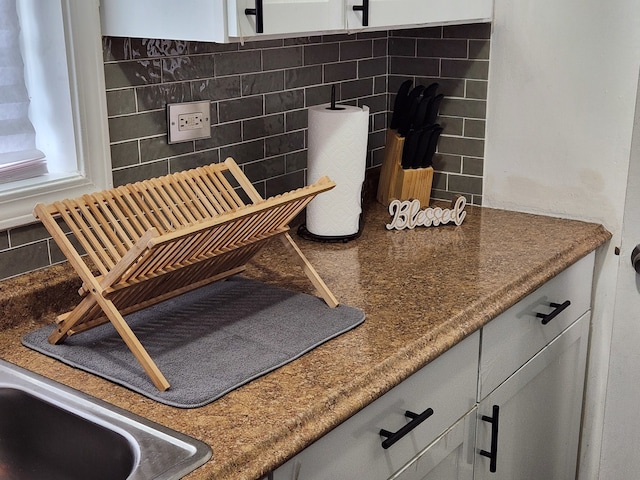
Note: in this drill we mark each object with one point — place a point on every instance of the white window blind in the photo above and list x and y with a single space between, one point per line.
19 158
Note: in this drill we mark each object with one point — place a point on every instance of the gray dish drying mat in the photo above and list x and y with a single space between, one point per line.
206 342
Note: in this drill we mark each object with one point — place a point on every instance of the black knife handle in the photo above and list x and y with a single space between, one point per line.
364 8
431 90
421 149
427 160
410 148
413 100
258 12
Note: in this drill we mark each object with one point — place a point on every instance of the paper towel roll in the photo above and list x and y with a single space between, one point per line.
338 149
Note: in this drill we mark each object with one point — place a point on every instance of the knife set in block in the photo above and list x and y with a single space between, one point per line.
412 138
400 183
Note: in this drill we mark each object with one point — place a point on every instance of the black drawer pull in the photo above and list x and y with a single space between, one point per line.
258 13
393 437
493 454
635 258
557 308
364 8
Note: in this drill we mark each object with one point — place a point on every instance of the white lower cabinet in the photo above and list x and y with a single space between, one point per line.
503 404
530 425
440 394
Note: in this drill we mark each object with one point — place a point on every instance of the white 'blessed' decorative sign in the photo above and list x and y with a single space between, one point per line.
407 214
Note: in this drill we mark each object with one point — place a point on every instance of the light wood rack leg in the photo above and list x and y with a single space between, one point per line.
134 344
309 271
67 321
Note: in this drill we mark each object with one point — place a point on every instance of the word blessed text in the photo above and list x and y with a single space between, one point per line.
407 214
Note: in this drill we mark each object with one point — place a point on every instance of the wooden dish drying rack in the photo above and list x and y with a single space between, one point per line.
152 240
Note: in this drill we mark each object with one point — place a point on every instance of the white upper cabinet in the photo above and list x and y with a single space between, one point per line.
376 14
234 20
202 20
248 18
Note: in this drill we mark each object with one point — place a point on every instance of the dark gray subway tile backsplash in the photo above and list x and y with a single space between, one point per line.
260 93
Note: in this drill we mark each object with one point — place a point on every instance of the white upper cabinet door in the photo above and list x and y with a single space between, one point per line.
248 18
375 14
202 20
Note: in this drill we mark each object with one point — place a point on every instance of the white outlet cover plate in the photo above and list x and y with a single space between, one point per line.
174 110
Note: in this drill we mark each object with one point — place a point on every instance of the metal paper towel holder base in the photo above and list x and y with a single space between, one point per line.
307 235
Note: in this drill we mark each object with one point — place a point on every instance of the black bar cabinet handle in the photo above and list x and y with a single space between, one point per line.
393 437
364 8
258 13
492 455
635 258
557 308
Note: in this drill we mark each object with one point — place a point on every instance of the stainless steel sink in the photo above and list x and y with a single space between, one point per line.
48 430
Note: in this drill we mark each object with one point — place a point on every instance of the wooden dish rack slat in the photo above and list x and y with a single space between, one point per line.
155 239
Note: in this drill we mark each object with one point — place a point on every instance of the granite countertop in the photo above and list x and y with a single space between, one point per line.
422 290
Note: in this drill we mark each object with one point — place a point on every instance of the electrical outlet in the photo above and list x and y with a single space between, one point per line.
188 121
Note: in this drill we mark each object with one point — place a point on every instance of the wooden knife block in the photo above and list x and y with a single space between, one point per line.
396 182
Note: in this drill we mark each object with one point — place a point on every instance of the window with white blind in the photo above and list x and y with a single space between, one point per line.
53 122
19 158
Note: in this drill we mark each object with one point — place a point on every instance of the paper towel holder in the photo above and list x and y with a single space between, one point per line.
303 231
332 105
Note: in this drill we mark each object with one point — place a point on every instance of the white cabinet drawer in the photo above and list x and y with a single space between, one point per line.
354 449
516 335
